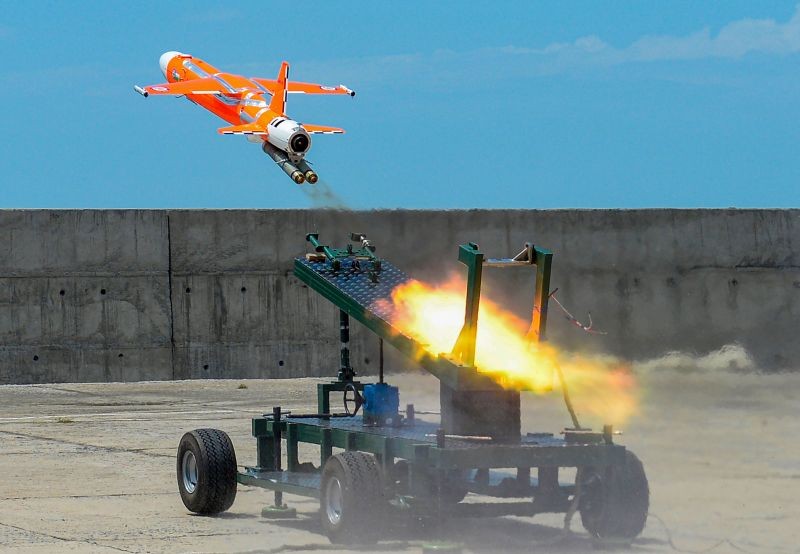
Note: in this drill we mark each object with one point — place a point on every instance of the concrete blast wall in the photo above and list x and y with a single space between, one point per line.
139 294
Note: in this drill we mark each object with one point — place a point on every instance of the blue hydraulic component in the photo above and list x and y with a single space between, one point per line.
381 404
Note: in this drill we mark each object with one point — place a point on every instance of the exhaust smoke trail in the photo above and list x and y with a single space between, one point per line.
731 357
323 196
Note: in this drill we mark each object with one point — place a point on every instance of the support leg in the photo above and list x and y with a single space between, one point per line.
278 510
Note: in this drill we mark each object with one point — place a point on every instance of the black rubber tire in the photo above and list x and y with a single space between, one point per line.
363 506
614 503
215 488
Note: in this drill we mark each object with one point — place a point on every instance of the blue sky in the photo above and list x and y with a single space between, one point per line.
459 105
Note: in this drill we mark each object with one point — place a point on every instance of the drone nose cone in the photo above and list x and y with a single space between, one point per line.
165 58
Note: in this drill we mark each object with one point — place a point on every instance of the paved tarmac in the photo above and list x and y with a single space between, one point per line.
91 468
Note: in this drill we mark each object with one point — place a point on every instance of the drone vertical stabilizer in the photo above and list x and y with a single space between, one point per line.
278 102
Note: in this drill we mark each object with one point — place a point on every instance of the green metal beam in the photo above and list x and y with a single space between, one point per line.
544 262
284 481
488 455
464 350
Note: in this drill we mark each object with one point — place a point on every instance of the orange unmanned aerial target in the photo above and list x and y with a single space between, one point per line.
253 106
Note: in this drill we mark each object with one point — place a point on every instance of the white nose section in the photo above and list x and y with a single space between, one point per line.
165 59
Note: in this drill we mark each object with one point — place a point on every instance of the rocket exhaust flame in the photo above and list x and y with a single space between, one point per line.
601 387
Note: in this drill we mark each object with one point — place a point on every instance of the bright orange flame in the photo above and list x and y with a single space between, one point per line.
434 316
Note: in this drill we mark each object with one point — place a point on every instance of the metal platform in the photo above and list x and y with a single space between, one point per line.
372 290
422 432
418 443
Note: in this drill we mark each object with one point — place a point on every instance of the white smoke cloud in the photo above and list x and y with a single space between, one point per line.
731 357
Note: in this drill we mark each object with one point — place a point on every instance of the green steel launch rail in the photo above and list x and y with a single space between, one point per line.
361 285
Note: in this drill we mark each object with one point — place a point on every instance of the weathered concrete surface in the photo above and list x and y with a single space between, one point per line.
209 293
91 468
84 296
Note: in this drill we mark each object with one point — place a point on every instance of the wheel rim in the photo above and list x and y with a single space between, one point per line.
189 471
333 500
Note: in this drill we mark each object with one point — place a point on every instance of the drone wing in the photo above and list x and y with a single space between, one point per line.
322 129
295 87
248 129
192 86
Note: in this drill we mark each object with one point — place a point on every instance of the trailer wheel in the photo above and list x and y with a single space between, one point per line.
206 471
614 502
352 505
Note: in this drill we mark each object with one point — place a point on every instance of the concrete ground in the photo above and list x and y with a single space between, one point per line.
90 468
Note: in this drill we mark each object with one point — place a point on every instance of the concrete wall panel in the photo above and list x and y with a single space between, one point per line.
210 293
84 296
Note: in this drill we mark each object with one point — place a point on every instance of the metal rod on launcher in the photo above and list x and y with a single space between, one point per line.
471 256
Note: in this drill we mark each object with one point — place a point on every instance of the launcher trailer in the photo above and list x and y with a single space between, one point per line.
376 460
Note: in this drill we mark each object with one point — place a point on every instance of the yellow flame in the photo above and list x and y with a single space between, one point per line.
434 315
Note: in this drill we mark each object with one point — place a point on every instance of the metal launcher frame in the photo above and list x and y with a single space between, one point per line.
426 465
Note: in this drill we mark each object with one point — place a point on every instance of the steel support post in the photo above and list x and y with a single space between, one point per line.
544 262
464 350
265 453
325 447
292 462
346 372
276 442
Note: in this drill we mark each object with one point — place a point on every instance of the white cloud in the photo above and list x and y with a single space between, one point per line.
444 68
734 40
